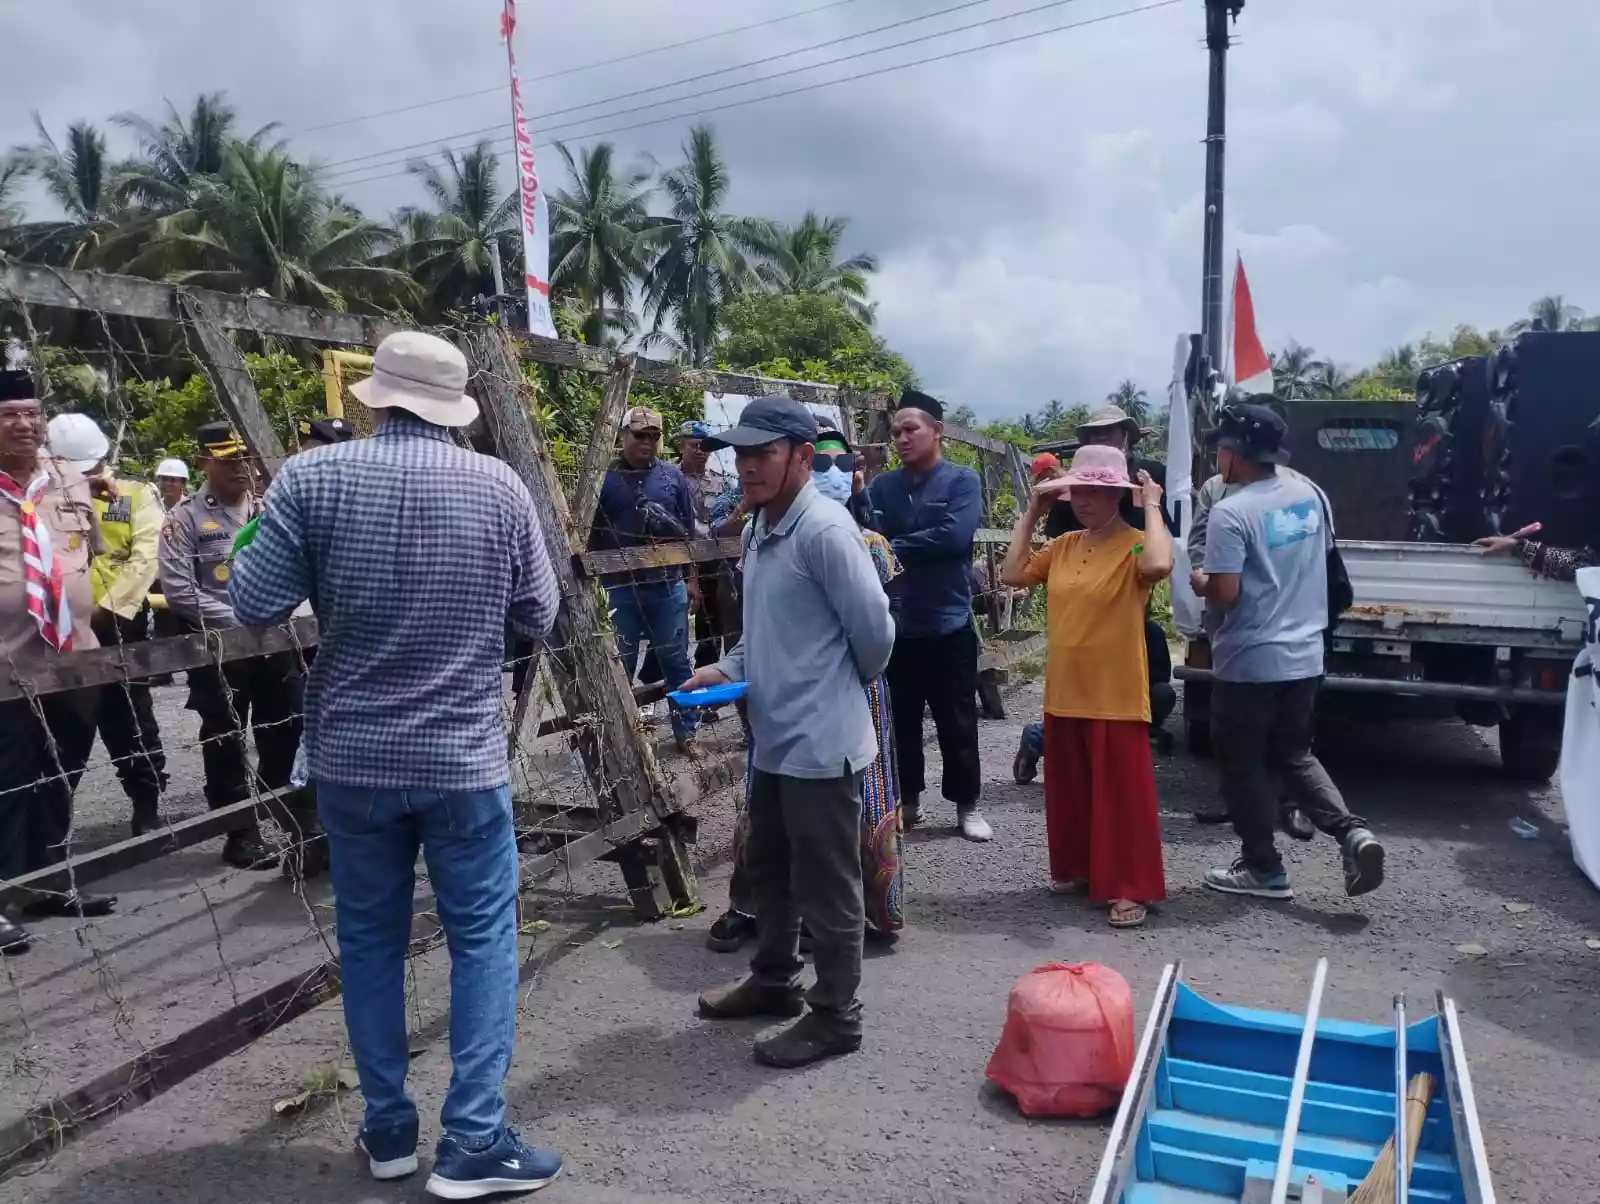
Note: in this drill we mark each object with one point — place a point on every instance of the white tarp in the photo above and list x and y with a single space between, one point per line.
723 410
1580 740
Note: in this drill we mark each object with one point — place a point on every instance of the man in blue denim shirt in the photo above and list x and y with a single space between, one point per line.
645 500
929 510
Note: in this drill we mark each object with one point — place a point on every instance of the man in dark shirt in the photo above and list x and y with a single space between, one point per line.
929 510
645 500
1111 426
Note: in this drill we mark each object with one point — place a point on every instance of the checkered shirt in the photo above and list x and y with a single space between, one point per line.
416 554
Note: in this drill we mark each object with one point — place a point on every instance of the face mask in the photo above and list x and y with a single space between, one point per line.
835 484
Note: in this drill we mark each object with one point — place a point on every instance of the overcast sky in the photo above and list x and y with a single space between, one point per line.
1395 166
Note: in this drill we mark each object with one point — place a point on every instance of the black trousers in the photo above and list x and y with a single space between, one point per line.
267 695
40 764
127 719
717 620
937 673
804 850
1261 735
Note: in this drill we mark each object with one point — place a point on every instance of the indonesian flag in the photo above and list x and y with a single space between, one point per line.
1252 370
535 210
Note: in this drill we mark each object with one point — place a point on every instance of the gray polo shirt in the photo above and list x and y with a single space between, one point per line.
816 630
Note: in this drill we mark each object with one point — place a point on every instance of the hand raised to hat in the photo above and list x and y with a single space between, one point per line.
1149 492
1052 489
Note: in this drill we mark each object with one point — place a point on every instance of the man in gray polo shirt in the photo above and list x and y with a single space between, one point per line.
816 628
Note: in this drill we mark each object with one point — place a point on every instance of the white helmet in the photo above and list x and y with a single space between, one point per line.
176 469
78 440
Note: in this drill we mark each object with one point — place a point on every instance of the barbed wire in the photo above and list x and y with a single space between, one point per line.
196 940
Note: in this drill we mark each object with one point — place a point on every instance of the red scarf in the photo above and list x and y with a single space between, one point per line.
41 569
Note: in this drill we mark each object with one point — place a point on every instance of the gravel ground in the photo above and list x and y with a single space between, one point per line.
654 1106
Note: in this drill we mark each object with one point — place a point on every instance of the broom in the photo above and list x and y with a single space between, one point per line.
1378 1186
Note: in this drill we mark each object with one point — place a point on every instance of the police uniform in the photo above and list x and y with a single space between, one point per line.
266 692
121 578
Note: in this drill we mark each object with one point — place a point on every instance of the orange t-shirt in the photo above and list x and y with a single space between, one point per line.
1095 666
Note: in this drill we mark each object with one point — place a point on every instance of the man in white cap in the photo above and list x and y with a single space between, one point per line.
172 481
48 532
130 525
416 553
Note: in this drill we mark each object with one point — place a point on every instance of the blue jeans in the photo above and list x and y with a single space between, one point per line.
658 611
471 854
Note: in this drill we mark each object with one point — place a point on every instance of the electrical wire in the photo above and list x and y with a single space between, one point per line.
587 134
704 75
565 71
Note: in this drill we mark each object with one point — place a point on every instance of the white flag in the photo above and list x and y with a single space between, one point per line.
535 211
1186 607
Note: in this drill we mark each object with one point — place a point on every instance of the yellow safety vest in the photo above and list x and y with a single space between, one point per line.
116 534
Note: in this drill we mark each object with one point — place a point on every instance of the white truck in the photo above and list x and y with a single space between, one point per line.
1440 630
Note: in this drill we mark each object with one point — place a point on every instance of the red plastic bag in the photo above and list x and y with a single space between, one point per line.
1067 1048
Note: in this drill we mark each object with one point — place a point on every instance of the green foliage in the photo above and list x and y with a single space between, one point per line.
809 336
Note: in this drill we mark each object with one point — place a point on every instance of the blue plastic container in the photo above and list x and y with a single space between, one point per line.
711 696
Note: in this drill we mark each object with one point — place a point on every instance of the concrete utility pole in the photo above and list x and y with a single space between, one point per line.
1211 319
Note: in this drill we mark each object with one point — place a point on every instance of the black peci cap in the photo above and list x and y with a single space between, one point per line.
915 399
329 430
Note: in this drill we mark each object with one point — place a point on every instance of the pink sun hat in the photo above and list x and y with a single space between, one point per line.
1097 464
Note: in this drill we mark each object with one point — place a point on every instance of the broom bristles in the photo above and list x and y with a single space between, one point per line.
1378 1186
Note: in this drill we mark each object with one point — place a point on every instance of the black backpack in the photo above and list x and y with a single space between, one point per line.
1341 594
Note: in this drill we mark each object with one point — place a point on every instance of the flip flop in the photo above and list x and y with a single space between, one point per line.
1069 886
1129 917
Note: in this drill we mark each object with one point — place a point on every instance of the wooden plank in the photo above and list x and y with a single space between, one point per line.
132 297
602 448
962 434
620 764
1002 653
656 556
146 658
45 1129
124 855
234 388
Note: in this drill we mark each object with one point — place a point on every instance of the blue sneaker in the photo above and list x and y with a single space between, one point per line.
391 1152
1242 880
506 1166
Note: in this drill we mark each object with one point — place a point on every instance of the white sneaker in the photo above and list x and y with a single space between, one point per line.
975 827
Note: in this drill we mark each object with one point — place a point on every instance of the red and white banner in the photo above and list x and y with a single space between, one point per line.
535 210
1252 370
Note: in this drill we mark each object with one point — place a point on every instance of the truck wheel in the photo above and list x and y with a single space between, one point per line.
1530 744
1197 734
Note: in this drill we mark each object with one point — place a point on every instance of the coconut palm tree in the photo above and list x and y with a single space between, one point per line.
174 153
596 248
1400 367
450 249
79 177
1135 402
1550 313
805 259
265 226
1293 369
705 257
13 173
1330 380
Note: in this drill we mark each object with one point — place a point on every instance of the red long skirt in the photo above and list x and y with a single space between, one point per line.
1100 808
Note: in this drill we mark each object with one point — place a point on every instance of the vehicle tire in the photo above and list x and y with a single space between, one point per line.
1197 734
1530 744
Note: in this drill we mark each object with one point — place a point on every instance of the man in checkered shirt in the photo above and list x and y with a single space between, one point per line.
415 553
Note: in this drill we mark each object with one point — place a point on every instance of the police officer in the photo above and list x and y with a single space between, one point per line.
266 691
323 432
120 578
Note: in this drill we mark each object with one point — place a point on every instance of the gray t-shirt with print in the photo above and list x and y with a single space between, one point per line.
1275 534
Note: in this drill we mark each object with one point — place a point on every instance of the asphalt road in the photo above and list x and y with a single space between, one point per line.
653 1106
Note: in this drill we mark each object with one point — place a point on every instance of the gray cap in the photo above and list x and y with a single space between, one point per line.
767 419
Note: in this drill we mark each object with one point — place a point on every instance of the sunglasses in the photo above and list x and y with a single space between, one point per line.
843 461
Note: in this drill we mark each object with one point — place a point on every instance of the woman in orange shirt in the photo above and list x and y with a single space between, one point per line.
1100 788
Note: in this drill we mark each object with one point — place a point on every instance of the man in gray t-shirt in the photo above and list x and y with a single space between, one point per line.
1266 570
